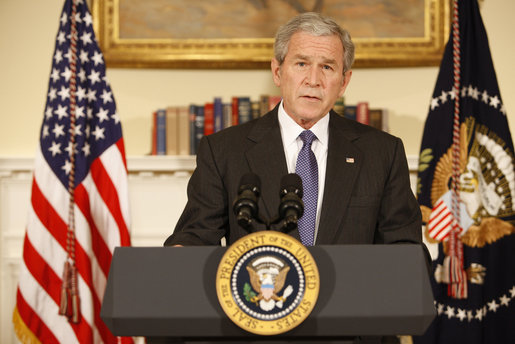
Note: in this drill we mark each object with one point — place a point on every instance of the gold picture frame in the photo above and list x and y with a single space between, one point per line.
424 49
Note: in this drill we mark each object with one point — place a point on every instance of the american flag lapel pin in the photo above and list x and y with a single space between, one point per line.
349 160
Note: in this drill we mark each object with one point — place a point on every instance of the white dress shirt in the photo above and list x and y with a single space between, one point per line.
292 144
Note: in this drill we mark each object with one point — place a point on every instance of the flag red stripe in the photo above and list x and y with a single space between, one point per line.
56 227
108 192
47 215
41 271
33 321
445 218
437 210
99 246
121 148
51 283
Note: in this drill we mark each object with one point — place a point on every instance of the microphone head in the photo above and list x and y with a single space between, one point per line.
291 183
250 181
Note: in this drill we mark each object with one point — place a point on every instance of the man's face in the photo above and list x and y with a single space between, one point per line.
311 77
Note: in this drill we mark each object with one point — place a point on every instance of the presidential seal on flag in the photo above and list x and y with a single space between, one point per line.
267 283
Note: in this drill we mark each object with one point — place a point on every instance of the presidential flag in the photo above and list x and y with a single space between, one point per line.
79 209
466 191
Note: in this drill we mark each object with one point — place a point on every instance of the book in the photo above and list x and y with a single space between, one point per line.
209 119
376 118
183 130
385 125
362 113
349 112
244 110
199 126
161 132
171 131
227 114
218 114
153 134
264 104
192 120
235 115
255 107
339 106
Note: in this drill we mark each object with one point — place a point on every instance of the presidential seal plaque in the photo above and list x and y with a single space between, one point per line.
267 283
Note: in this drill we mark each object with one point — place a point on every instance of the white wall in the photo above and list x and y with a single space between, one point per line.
27 33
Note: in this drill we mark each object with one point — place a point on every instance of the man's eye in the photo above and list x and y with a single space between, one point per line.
328 67
301 64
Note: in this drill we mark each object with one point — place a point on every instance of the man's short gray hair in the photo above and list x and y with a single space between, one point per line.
317 25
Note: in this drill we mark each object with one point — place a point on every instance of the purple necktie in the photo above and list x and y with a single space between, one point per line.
307 169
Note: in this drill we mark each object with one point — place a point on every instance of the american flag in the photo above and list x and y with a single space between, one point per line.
79 207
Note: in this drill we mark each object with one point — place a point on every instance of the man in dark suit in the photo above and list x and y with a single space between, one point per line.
363 193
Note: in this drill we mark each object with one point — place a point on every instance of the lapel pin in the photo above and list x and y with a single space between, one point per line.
349 160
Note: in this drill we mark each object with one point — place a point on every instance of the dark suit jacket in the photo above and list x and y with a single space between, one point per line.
367 197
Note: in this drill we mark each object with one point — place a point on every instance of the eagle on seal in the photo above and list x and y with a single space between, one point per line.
268 284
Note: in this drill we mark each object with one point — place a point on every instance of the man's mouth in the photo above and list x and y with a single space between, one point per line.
308 97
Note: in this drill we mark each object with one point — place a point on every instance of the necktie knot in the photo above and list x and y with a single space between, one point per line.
307 136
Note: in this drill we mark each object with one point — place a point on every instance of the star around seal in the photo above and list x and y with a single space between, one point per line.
267 283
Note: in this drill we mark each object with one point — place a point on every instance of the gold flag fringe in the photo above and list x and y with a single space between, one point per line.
21 330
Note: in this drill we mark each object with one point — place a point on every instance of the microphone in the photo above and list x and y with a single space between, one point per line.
291 207
245 206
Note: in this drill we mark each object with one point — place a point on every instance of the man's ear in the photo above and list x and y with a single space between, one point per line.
346 79
276 72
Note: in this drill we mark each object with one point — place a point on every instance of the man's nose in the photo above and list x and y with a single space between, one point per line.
314 76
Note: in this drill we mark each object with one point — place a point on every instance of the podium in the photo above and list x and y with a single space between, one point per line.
168 295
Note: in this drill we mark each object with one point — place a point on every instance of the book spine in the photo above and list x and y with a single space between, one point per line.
227 114
384 120
199 126
183 131
349 112
244 110
235 115
264 103
192 114
171 131
161 132
376 118
218 114
255 107
209 119
362 114
153 146
339 106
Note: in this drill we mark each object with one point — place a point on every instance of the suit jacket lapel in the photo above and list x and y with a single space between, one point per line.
266 159
343 165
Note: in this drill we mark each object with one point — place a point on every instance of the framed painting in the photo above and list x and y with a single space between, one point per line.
239 33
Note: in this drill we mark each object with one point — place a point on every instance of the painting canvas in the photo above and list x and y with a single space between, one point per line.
239 33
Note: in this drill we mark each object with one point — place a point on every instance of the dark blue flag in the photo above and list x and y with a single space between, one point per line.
486 188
